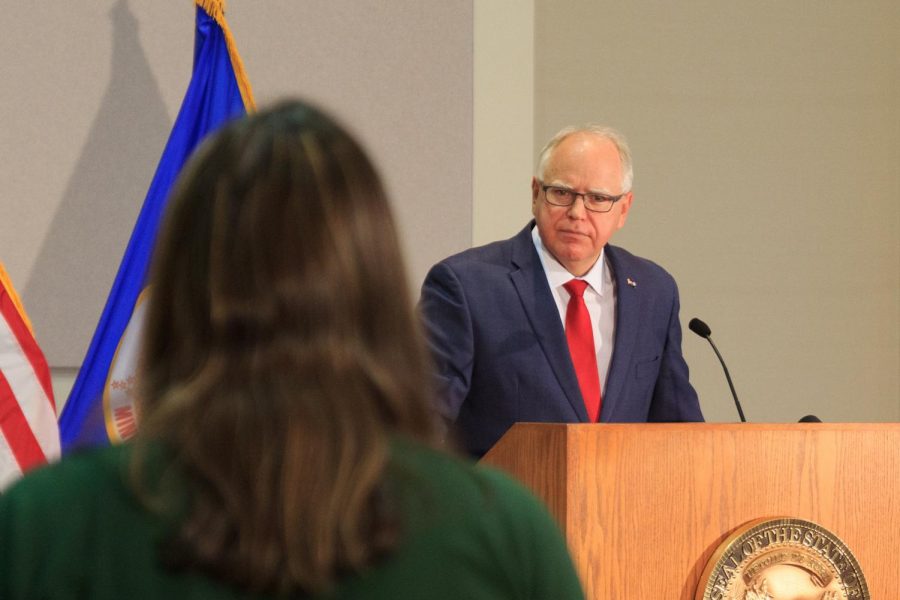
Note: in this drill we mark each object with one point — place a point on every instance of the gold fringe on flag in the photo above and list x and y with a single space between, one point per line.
216 10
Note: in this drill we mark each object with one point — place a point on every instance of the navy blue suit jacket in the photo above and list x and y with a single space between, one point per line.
501 351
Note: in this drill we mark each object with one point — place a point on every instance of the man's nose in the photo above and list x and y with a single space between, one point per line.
577 209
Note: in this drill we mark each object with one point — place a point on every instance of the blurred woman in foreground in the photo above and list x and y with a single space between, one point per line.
286 445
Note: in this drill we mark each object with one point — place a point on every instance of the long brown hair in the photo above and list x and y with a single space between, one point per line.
281 353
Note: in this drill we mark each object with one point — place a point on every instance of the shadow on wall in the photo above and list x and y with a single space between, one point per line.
87 237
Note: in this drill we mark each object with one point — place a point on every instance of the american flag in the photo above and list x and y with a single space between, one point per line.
29 434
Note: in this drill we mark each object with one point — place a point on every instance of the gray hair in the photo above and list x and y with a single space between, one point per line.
601 131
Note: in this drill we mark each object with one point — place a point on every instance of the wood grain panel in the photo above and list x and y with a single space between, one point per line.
536 456
645 505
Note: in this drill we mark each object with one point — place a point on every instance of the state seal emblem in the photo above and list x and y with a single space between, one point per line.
782 559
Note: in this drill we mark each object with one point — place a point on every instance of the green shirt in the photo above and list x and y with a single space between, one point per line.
75 530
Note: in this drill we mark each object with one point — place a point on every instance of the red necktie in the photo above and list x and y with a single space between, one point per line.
580 336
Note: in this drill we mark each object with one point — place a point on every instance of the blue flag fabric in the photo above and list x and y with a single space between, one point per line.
212 98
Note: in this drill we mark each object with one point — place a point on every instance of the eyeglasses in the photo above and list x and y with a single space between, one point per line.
561 196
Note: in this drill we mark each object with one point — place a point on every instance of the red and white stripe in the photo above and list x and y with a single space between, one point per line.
29 434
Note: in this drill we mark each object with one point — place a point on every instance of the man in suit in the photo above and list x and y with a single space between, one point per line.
555 324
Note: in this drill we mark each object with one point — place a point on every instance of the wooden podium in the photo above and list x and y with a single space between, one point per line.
644 506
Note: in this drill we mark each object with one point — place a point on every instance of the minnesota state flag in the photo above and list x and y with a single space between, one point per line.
100 408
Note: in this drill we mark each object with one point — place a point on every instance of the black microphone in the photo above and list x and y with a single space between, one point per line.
810 419
703 330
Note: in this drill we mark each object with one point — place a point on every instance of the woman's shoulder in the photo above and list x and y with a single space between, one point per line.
457 475
469 494
83 473
60 508
474 528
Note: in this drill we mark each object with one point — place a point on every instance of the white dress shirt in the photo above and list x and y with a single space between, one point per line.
599 297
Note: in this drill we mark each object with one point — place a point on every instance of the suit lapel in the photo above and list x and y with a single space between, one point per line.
627 326
528 277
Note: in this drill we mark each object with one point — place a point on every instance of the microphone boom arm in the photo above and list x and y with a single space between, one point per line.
737 403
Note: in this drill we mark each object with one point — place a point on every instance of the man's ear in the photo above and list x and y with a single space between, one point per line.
535 192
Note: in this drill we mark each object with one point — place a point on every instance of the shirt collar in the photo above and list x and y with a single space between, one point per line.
598 277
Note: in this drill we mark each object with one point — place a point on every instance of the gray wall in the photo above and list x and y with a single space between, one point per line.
90 94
